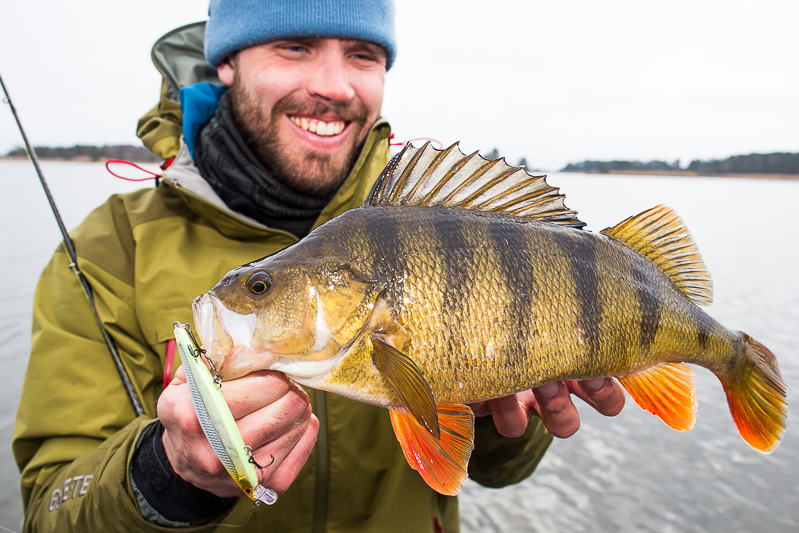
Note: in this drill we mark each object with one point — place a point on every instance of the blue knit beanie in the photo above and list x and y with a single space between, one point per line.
237 24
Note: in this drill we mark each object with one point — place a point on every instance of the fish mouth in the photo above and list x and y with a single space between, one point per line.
227 336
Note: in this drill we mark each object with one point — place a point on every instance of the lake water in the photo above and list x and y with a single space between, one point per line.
630 473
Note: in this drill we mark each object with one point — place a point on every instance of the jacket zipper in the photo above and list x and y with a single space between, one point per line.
322 464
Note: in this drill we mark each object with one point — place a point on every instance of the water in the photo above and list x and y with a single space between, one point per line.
28 237
629 473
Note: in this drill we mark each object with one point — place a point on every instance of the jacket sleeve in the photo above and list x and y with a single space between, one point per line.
76 429
498 461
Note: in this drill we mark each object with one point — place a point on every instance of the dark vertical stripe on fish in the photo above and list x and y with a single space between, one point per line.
509 242
388 249
704 326
455 257
581 250
649 305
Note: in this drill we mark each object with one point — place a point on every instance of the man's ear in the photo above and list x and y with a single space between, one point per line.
226 71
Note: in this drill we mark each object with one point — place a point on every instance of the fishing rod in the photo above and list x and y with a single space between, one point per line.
73 257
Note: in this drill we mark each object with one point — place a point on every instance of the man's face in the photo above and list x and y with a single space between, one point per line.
305 106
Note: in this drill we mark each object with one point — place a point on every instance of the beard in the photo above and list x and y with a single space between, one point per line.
315 173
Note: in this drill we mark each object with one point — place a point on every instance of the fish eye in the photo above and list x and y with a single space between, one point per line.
259 283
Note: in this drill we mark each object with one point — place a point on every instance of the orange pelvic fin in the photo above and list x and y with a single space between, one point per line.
442 462
667 391
756 395
408 381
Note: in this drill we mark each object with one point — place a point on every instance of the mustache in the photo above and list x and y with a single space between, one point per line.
295 105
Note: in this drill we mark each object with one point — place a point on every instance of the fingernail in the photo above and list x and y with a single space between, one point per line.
594 384
549 390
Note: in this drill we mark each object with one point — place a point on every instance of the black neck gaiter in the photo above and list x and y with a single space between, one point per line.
242 181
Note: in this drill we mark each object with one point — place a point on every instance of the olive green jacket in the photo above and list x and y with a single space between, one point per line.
147 255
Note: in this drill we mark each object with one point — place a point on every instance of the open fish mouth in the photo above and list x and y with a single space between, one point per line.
227 337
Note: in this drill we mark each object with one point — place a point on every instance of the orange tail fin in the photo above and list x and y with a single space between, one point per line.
756 396
441 462
667 391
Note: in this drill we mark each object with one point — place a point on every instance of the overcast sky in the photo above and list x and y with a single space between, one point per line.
553 82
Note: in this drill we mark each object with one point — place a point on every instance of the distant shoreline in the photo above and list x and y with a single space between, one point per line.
694 174
78 159
682 174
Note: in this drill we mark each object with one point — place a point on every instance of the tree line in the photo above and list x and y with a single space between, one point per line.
776 163
126 152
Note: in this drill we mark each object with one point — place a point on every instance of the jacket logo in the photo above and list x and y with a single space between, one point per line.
78 485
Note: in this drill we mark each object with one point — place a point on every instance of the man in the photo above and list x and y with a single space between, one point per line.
296 140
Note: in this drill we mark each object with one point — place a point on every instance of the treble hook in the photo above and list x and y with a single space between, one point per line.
259 467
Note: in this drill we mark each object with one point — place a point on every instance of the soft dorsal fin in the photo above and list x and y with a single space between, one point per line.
449 178
660 235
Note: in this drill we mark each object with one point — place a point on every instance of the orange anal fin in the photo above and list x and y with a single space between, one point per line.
666 391
442 462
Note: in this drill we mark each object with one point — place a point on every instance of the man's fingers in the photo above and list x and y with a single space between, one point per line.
253 391
556 409
290 412
605 395
480 408
273 415
510 416
282 460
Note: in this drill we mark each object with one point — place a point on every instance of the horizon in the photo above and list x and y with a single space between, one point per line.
489 154
553 84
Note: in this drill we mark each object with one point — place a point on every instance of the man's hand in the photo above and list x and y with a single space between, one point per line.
552 403
273 415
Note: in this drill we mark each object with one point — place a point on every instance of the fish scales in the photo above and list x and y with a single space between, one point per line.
523 302
461 280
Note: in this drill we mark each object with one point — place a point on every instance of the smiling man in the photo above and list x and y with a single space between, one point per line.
294 140
305 106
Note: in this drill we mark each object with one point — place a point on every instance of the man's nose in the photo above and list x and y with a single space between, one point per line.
331 81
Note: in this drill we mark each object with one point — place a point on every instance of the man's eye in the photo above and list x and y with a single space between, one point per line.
364 57
296 48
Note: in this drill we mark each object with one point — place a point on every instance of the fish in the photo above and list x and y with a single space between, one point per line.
462 280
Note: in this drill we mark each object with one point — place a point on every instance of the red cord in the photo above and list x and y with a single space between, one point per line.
171 345
439 143
151 176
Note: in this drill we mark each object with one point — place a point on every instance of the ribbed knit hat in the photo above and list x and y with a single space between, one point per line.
237 24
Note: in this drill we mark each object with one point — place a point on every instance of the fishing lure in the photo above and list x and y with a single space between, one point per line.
216 419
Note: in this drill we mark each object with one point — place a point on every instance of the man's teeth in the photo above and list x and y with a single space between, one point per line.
324 129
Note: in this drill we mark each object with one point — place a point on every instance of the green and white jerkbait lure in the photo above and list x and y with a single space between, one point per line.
216 420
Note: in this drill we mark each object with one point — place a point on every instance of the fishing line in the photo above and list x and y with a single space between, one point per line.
73 257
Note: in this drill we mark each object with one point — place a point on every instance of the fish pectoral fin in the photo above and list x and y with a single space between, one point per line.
441 462
666 391
407 380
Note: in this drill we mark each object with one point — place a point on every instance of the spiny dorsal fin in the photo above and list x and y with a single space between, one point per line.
449 178
660 235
